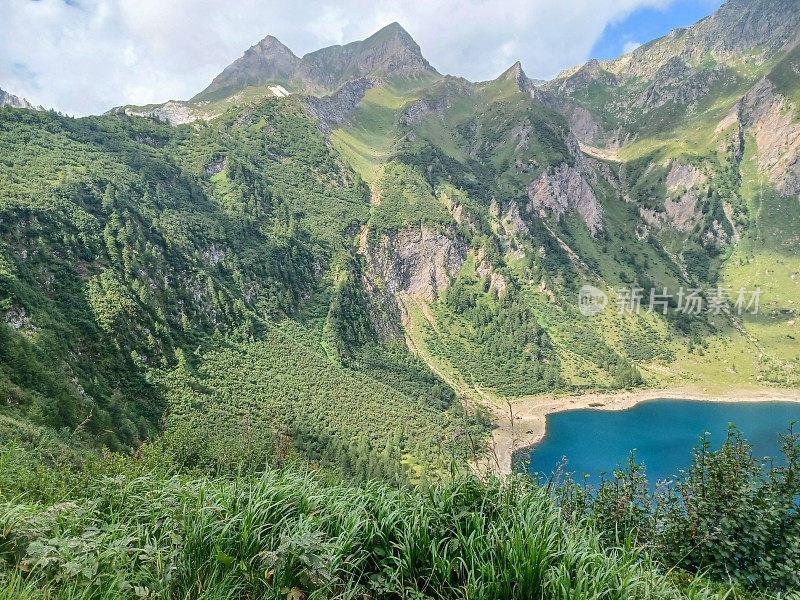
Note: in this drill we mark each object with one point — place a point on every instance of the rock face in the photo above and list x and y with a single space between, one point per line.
436 104
215 166
675 81
172 112
333 110
13 101
683 213
566 187
388 53
413 263
561 189
770 119
683 176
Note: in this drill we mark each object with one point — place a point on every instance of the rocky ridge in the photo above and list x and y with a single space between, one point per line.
13 101
391 52
412 263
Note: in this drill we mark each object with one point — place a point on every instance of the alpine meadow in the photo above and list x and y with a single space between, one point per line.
295 337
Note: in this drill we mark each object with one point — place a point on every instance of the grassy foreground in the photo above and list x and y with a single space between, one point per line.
294 534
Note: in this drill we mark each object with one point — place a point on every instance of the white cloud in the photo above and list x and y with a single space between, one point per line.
85 56
630 46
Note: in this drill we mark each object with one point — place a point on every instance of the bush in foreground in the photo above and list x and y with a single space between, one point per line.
731 515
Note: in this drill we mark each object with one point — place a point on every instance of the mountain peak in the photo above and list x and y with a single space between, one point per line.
394 31
514 72
759 26
517 75
271 43
267 61
389 52
393 28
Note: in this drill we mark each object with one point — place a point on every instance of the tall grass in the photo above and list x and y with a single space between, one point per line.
293 534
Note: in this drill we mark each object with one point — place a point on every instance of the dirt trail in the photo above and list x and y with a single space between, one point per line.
601 153
461 388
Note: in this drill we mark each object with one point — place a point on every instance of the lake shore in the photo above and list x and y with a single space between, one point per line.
530 414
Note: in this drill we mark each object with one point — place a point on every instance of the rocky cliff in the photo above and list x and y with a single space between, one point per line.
7 99
333 110
566 187
412 263
771 119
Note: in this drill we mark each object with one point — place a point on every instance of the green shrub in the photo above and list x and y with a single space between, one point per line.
729 515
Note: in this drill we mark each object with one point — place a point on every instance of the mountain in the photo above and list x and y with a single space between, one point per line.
354 240
7 99
268 61
703 123
391 52
643 93
348 266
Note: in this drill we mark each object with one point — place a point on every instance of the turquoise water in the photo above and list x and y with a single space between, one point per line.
663 433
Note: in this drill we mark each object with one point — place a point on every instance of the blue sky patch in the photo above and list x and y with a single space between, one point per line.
647 24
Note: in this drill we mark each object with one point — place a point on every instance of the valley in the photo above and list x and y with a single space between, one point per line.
352 287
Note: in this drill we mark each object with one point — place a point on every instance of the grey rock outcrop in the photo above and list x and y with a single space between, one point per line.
172 112
683 176
436 104
333 110
566 187
13 101
413 263
563 188
769 117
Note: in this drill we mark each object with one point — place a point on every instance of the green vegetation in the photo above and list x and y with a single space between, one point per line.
238 398
784 77
146 526
498 341
131 528
730 514
142 264
406 200
221 377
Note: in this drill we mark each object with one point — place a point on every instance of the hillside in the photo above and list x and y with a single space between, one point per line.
131 259
277 340
293 534
357 213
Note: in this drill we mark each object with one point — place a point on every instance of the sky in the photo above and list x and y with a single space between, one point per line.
86 56
648 23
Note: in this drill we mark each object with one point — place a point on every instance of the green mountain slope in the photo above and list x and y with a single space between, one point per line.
131 249
705 124
351 244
